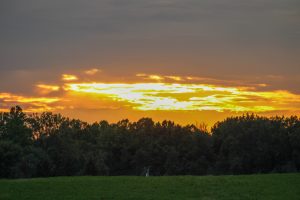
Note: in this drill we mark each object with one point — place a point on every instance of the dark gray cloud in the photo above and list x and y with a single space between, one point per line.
193 36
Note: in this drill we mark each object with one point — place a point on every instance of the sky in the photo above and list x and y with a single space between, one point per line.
189 61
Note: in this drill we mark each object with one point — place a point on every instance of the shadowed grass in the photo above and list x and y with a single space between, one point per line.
273 186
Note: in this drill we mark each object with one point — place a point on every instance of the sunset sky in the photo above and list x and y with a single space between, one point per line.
189 61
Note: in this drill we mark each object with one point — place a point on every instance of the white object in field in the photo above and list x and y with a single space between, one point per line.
147 173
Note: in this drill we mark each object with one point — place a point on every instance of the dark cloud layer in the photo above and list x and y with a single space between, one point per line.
207 37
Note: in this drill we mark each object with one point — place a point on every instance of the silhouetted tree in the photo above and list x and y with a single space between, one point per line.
47 144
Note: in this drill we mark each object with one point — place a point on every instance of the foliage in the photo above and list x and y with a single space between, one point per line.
52 145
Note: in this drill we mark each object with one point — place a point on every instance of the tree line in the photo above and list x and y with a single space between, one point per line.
47 144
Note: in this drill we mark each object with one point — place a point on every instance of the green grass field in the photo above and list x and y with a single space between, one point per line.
274 186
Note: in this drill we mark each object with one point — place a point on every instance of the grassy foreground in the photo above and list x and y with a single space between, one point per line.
273 186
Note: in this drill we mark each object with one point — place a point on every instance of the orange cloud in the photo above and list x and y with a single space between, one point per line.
46 89
175 78
170 78
92 71
141 75
151 77
69 77
32 104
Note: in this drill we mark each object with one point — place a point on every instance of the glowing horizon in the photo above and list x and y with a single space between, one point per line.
175 96
167 93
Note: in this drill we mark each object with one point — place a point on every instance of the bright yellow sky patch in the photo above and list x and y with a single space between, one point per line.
174 96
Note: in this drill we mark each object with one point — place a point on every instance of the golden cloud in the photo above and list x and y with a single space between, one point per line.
46 89
151 77
92 71
69 77
175 78
174 96
32 104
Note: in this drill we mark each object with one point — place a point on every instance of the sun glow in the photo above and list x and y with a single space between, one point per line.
159 96
174 96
